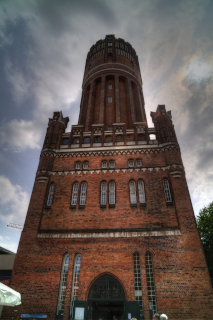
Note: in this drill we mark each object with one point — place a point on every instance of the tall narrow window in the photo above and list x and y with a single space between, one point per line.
103 193
141 192
104 164
112 192
132 190
150 283
74 194
63 285
83 194
167 192
51 195
78 165
137 282
75 281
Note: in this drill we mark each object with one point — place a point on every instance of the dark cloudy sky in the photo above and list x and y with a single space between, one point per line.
43 47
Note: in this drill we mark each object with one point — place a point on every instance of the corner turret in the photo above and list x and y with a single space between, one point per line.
56 127
162 120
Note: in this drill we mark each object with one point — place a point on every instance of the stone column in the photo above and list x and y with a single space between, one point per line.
141 105
89 107
131 101
117 102
102 97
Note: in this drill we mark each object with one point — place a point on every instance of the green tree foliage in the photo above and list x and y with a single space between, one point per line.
205 227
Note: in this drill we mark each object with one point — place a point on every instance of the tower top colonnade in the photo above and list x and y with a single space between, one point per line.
112 85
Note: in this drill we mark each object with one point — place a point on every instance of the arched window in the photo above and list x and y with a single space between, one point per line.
63 285
78 165
112 192
132 192
150 283
65 141
74 194
141 192
137 282
167 192
104 164
75 281
75 141
131 163
87 140
85 165
83 194
103 193
51 195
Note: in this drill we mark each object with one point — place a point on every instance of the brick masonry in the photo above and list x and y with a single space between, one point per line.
108 237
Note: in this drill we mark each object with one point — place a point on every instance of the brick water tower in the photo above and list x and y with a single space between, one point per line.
110 231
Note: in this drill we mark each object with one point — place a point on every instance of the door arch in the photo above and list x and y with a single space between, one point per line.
106 288
106 299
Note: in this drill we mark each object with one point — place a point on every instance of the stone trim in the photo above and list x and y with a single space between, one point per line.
109 151
110 234
112 171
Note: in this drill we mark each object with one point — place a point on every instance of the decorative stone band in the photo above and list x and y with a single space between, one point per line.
122 234
121 170
107 151
176 174
42 179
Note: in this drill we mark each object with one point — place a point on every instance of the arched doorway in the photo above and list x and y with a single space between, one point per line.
106 299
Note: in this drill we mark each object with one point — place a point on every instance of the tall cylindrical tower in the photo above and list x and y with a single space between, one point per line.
112 86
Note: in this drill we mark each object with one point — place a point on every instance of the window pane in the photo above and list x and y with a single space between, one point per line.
141 192
167 192
150 282
83 193
85 165
131 163
138 163
132 188
75 194
103 192
104 164
112 164
51 194
137 282
112 192
75 282
63 285
78 165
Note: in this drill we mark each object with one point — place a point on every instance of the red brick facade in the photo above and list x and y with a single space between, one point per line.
106 235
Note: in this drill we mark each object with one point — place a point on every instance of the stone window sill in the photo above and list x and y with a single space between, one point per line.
169 204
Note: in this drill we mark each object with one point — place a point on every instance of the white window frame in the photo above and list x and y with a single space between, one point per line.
138 163
75 281
63 284
85 165
75 194
112 164
104 164
110 99
78 165
167 192
130 163
141 192
112 192
83 194
132 192
103 199
51 195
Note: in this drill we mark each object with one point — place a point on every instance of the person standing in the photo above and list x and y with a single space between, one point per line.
156 316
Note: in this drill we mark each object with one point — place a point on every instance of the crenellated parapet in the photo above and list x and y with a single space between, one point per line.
162 120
